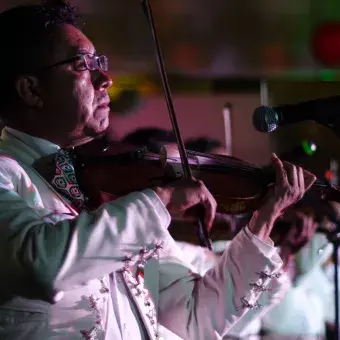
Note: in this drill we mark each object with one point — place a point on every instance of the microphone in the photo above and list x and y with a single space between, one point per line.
322 111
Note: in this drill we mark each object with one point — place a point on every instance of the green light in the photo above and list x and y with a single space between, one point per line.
327 75
309 147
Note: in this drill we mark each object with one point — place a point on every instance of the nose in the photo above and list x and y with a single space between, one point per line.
101 80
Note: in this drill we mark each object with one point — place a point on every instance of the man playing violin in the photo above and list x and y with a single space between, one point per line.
113 273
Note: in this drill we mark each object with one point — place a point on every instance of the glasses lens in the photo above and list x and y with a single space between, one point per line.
103 63
90 61
94 62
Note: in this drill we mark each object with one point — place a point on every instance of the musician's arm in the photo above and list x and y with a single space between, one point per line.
196 307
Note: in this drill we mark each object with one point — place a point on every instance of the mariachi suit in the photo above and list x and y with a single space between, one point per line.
70 276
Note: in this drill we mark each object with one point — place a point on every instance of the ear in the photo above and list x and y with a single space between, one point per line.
27 88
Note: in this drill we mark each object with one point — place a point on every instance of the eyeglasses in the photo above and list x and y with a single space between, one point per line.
92 62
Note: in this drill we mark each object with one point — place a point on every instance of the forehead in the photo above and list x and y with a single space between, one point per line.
68 41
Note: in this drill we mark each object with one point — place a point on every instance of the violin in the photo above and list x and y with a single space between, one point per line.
109 170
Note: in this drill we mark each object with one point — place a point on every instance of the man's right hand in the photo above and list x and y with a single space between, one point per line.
181 195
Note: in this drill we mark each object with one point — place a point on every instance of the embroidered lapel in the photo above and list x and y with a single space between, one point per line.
146 263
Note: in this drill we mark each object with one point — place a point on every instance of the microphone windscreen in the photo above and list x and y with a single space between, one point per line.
265 119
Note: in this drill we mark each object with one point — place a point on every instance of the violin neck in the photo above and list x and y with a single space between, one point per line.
318 184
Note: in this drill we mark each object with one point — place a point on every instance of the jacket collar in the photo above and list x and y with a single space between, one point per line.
26 147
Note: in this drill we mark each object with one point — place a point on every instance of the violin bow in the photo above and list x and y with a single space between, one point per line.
201 227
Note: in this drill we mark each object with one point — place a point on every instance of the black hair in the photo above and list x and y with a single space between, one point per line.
152 138
202 144
24 37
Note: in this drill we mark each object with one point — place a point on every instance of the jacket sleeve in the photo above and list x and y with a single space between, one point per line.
278 288
203 259
71 251
206 307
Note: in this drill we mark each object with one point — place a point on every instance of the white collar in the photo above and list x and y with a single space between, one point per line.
44 146
29 148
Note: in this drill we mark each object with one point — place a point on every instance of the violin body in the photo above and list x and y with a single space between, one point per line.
106 173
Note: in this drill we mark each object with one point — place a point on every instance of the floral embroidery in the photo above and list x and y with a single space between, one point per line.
246 304
136 284
92 333
259 288
104 289
264 275
137 288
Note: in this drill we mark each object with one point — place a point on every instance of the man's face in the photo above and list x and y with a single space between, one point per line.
75 102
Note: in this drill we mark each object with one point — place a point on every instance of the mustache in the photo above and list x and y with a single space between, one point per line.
103 100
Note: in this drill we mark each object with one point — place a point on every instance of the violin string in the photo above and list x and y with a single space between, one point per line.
228 162
231 166
245 167
235 164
